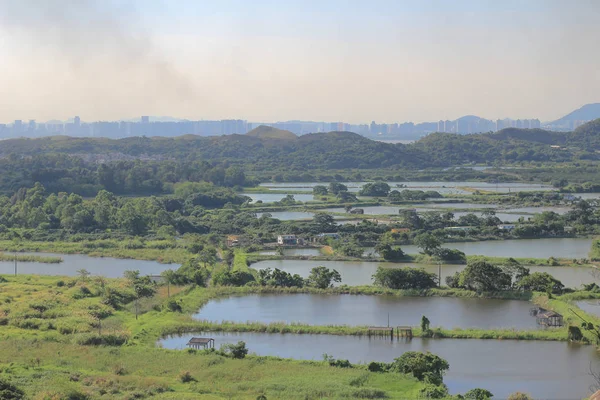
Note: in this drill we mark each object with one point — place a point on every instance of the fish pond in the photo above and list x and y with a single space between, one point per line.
544 370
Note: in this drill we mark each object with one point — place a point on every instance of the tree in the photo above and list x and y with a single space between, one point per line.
380 189
515 270
424 324
142 286
424 366
324 222
427 242
404 278
482 276
208 255
322 278
478 394
346 197
388 252
170 278
450 255
335 188
540 282
319 190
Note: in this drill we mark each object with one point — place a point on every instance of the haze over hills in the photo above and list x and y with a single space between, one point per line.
331 150
171 127
576 118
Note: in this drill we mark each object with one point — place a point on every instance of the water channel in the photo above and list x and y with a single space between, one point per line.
105 266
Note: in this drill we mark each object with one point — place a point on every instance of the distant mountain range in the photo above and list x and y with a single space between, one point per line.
576 118
407 130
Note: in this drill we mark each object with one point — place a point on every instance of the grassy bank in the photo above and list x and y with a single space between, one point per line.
30 258
47 370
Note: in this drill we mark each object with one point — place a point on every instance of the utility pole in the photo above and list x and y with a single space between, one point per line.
439 274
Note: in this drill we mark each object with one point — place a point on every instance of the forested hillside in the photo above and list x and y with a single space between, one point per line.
142 165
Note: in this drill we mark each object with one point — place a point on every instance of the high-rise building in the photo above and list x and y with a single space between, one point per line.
145 119
31 126
17 127
77 122
441 126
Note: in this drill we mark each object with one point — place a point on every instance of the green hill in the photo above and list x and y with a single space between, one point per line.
268 132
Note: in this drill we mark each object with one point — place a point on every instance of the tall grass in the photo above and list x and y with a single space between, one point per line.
30 258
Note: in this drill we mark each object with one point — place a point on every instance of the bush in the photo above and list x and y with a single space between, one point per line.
186 377
478 394
93 339
9 391
431 391
368 393
519 396
238 350
424 366
375 366
173 306
575 334
119 369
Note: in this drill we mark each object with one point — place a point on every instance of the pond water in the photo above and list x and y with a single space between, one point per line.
289 215
590 306
360 310
522 248
356 273
273 197
105 266
441 187
293 252
544 370
536 210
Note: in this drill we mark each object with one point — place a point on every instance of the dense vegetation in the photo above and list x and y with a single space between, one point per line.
142 165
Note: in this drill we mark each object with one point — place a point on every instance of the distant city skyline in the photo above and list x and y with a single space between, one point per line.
354 61
165 126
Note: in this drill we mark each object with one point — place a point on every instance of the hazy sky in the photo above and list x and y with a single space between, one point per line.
332 60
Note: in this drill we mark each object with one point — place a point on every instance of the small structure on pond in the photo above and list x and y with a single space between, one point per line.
546 317
197 342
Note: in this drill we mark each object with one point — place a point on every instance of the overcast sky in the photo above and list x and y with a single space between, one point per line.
331 60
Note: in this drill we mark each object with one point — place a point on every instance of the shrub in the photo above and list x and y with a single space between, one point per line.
375 366
173 306
519 396
431 391
369 393
478 394
9 391
238 350
575 334
119 369
186 377
424 366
